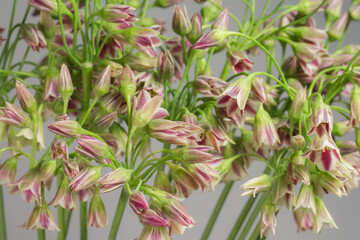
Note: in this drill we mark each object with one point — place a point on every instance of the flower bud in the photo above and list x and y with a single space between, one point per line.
33 36
151 218
173 210
14 116
47 172
297 105
47 25
65 197
166 3
94 148
290 66
222 21
184 181
258 89
66 128
8 171
119 14
337 29
333 10
256 185
210 12
181 23
97 214
165 65
47 6
127 83
341 128
102 85
65 88
239 61
41 218
85 178
298 142
138 203
354 12
104 122
212 39
26 99
196 30
332 184
162 182
139 62
305 7
115 179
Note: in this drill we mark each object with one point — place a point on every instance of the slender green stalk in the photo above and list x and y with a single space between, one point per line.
41 234
2 216
67 218
61 223
32 160
9 33
256 233
118 214
216 210
86 77
83 220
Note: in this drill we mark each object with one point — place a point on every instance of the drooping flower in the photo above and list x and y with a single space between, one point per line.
173 210
256 185
138 202
26 99
65 197
85 178
212 39
151 233
209 86
115 179
14 116
33 37
323 217
97 214
47 6
94 148
321 119
8 171
66 128
304 219
239 61
184 181
306 198
120 14
268 220
152 218
41 218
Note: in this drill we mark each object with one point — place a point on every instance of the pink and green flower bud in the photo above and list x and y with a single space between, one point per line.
195 154
26 99
173 210
47 25
8 171
102 85
47 172
258 89
165 65
139 62
65 197
221 21
214 38
256 185
265 133
304 219
138 203
150 233
65 88
184 181
337 29
323 217
94 148
331 184
301 173
47 6
239 61
354 12
298 142
205 175
86 178
268 220
166 3
321 119
209 86
127 83
333 10
181 23
308 57
310 34
196 29
14 116
33 36
297 106
162 182
66 128
305 7
306 198
290 66
115 179
97 213
355 107
41 218
151 218
120 14
103 123
210 12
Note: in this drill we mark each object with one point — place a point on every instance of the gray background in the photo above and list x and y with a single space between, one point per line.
346 211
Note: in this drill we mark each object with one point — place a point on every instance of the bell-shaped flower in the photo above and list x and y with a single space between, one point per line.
258 184
268 220
41 218
138 203
119 14
115 179
175 211
94 148
185 183
306 198
65 197
97 214
33 36
47 6
304 219
86 178
239 61
209 86
14 116
8 171
205 175
214 38
323 217
151 218
321 119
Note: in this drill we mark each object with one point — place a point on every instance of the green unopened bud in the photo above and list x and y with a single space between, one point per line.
354 12
127 83
305 7
162 182
337 29
297 106
181 23
65 88
333 10
298 142
47 25
139 62
210 12
26 99
102 85
165 65
196 30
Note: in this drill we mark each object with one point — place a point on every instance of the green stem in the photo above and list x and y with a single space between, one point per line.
67 218
83 220
61 235
118 214
216 210
86 77
256 233
9 32
88 111
34 143
2 216
41 234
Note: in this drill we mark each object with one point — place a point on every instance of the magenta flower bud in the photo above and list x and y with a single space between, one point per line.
297 106
205 175
184 181
41 218
268 220
264 130
337 29
258 89
102 85
103 123
321 119
239 61
115 179
304 219
333 9
94 148
138 203
120 14
8 171
65 197
306 198
323 217
162 182
323 153
97 214
298 142
33 36
14 116
195 154
26 99
65 88
212 39
151 218
354 12
47 6
290 66
256 185
173 210
355 108
165 65
150 232
127 83
222 21
86 178
181 23
209 86
66 128
196 29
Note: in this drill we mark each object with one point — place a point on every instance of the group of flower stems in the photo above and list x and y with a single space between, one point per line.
113 82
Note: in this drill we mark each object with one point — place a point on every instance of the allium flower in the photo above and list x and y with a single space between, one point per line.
85 178
212 39
151 233
120 14
323 217
104 122
306 198
33 36
221 21
321 119
47 6
324 153
97 214
181 23
304 219
209 86
268 220
332 184
151 218
196 30
205 175
308 57
41 218
115 179
138 203
310 35
185 183
173 210
195 154
354 12
127 83
165 65
94 148
336 30
8 171
64 196
258 89
26 99
66 128
66 87
14 116
239 61
256 185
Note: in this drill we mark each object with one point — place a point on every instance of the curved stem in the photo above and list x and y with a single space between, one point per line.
118 214
2 216
216 210
83 220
